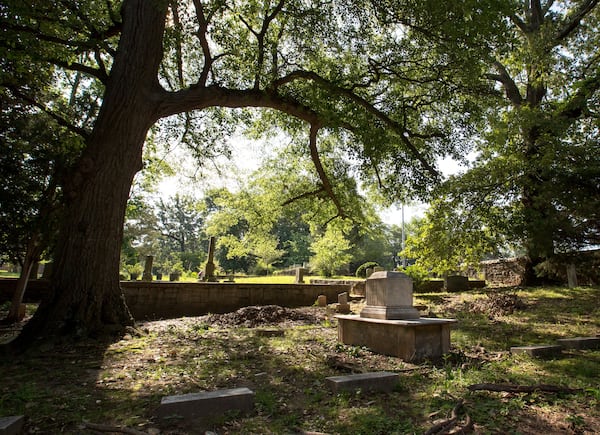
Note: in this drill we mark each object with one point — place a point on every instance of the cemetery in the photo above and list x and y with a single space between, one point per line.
268 368
299 217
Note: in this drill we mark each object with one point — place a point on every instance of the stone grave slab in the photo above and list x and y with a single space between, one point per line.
580 343
269 332
538 351
374 381
206 404
12 425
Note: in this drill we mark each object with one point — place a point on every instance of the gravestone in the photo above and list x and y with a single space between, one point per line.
300 271
343 306
572 275
456 283
389 296
390 324
206 404
322 301
147 275
374 381
12 425
209 269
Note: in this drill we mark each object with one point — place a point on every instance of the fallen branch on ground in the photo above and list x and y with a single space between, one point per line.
444 427
512 388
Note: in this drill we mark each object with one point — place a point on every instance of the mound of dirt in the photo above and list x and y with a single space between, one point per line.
498 304
253 316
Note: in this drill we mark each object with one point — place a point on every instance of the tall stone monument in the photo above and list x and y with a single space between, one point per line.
209 270
147 275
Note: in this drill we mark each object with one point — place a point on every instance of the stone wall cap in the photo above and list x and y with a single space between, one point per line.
387 274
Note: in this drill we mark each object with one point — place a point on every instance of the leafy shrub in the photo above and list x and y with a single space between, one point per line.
416 272
361 271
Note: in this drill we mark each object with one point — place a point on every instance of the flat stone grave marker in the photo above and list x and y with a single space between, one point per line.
12 425
374 381
269 332
206 404
539 351
580 343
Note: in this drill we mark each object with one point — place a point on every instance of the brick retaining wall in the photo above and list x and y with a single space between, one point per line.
164 299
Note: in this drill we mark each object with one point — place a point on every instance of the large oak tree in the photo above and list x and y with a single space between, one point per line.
328 67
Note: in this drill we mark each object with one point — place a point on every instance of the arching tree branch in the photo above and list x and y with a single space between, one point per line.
314 155
60 120
573 21
393 125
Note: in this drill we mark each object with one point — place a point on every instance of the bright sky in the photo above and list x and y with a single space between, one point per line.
247 155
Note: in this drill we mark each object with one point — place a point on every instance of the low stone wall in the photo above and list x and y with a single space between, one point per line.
162 299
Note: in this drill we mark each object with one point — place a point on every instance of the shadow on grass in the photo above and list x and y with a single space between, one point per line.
122 383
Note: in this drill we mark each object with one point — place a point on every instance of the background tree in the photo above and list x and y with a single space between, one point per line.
331 251
35 152
533 185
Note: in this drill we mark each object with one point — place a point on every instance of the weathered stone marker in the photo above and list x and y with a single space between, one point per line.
147 275
207 404
343 306
269 332
456 283
580 343
209 270
572 275
375 381
12 425
390 324
538 351
322 301
389 296
300 271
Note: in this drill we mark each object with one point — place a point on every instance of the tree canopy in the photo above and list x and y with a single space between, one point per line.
392 86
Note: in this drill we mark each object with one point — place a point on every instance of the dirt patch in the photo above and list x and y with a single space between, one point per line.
498 304
253 316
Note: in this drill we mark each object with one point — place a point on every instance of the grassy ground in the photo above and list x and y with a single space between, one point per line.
61 387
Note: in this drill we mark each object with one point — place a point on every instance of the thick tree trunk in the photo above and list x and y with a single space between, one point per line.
85 297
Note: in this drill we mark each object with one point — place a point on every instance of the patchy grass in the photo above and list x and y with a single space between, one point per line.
61 387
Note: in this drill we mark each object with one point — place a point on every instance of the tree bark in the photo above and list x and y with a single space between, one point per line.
85 296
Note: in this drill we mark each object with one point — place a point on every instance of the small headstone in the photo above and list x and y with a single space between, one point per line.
368 271
207 404
322 301
147 275
580 343
12 425
378 269
209 269
343 306
456 283
572 275
374 381
540 351
358 289
300 271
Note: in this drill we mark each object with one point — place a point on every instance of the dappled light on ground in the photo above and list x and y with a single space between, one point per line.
284 356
